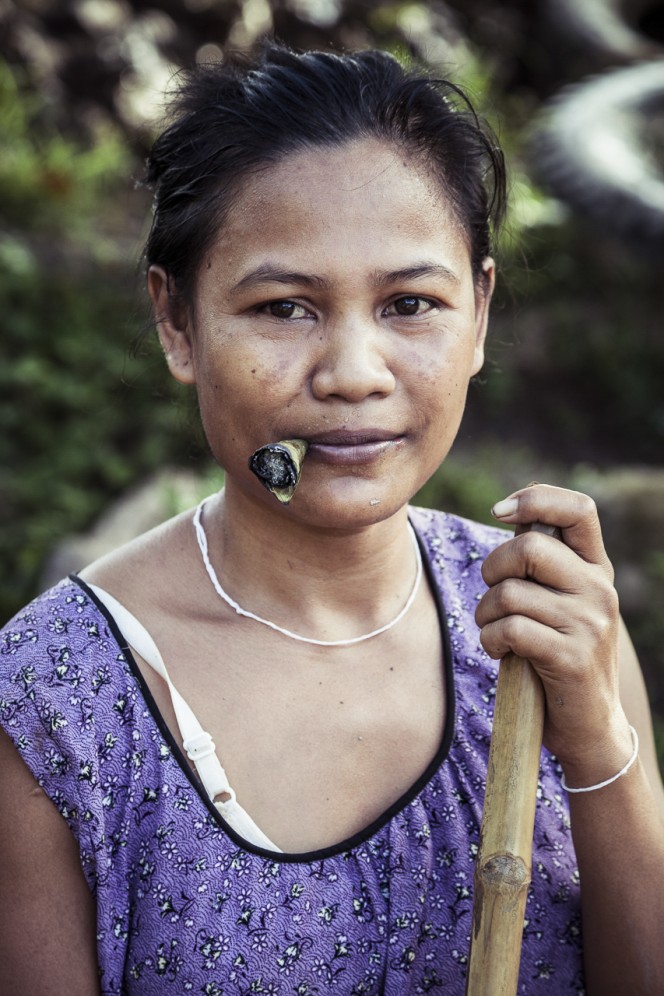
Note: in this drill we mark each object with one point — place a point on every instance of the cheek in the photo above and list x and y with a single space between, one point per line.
239 391
439 376
226 366
252 360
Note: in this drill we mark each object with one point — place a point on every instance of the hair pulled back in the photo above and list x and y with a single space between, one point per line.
249 112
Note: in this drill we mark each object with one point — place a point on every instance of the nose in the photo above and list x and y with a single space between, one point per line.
352 363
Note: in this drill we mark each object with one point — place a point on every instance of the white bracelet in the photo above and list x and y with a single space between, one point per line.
623 771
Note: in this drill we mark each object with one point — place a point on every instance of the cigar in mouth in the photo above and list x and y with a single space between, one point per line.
278 466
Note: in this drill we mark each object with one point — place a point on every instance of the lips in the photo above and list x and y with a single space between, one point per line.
352 446
350 437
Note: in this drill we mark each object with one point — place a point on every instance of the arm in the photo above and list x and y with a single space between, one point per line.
47 913
554 604
618 839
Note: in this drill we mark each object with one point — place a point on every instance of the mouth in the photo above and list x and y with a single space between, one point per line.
352 446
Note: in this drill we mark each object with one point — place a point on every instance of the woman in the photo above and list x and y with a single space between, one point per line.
320 270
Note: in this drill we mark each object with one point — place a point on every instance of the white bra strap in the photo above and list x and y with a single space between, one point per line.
197 743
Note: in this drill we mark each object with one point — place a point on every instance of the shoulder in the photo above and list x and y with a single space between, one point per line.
58 655
454 537
140 573
454 549
64 618
65 615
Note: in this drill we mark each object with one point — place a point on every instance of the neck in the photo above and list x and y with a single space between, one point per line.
326 583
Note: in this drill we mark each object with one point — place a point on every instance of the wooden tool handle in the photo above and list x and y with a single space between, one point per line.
504 861
503 866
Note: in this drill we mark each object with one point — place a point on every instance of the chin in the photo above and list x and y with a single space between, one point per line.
348 507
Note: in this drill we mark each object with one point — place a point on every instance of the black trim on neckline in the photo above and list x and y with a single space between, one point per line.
362 836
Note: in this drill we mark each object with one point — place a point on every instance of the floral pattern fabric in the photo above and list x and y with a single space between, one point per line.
186 906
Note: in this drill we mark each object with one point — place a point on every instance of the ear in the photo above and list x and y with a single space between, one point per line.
483 292
172 327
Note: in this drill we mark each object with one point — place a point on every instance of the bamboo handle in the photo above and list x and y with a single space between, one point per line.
504 860
503 866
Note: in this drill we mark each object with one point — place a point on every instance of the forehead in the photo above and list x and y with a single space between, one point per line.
354 194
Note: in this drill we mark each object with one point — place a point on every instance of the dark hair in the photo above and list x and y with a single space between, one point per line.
237 116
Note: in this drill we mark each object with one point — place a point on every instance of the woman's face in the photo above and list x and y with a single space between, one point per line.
337 306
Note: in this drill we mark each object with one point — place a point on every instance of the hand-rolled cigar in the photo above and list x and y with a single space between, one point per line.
278 466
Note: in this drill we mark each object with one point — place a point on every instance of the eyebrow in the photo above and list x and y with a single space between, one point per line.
270 273
424 269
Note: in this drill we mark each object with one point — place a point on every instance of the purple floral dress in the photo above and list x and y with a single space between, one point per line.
186 906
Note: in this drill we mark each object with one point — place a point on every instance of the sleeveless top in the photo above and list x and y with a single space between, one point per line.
186 905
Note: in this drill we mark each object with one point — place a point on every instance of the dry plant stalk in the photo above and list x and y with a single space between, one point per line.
503 866
504 862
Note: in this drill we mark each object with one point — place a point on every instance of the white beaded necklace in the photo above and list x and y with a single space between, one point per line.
203 547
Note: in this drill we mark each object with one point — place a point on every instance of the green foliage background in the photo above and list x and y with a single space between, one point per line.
81 416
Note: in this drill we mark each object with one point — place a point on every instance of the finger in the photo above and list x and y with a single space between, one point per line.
574 513
555 632
516 597
524 637
585 621
542 558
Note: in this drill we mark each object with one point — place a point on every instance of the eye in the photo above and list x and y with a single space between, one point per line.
409 305
285 309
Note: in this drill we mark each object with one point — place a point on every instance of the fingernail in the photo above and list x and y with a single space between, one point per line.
503 509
